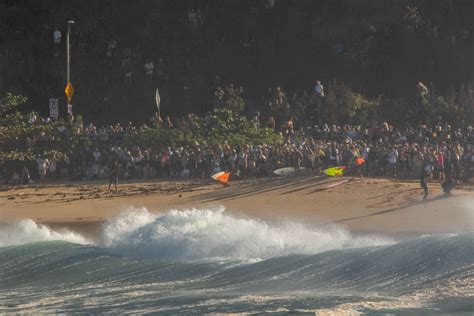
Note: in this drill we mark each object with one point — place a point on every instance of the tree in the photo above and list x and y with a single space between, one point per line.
24 137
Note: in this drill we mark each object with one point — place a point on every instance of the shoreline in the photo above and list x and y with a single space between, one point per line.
368 205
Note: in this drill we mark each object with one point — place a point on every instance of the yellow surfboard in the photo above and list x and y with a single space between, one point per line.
335 171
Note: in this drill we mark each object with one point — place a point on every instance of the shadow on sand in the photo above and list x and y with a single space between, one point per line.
422 202
249 188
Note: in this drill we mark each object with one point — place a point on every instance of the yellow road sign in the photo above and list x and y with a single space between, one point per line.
69 91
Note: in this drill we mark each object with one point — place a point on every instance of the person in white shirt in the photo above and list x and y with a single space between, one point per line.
43 165
392 161
319 89
334 155
96 166
365 152
96 155
217 168
319 94
57 36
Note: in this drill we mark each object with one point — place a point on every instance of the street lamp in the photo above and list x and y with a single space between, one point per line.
69 89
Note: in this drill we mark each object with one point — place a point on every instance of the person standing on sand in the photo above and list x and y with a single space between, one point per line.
448 183
43 166
426 173
52 168
113 175
296 158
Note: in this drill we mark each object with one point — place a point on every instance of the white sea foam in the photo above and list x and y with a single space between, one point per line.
198 234
27 231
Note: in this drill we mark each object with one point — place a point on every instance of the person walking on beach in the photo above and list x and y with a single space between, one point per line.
113 175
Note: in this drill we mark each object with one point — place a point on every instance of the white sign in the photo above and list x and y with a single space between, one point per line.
54 108
158 100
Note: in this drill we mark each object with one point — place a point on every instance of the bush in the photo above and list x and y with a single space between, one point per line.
224 125
344 106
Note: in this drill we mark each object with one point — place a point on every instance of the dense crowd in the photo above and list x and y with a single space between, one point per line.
440 150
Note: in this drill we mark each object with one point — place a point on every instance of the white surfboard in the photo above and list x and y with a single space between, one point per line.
290 171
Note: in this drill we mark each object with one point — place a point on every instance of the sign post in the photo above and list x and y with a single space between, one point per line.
158 101
54 108
69 90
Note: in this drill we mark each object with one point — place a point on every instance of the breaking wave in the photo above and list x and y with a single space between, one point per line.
203 234
202 260
27 231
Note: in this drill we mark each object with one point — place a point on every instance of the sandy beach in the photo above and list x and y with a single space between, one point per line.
361 205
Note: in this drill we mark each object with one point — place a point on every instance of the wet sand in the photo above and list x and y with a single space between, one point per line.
362 205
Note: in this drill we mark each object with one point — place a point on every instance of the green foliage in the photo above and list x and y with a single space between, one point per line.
16 155
224 125
397 110
10 102
9 114
156 138
228 125
455 108
346 106
239 105
22 139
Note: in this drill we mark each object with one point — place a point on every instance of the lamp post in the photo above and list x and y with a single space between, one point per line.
69 89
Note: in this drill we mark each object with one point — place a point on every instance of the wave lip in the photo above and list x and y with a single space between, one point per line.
27 231
206 234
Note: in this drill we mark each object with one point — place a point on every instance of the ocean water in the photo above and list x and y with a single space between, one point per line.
205 261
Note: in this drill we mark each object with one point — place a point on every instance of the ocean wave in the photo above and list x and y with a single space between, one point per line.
201 260
196 234
204 234
60 277
27 231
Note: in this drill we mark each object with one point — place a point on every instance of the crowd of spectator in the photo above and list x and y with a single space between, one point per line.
443 151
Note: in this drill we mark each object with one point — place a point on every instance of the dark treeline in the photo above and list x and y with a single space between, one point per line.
377 47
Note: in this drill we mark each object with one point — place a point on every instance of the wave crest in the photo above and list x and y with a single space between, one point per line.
27 231
200 234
